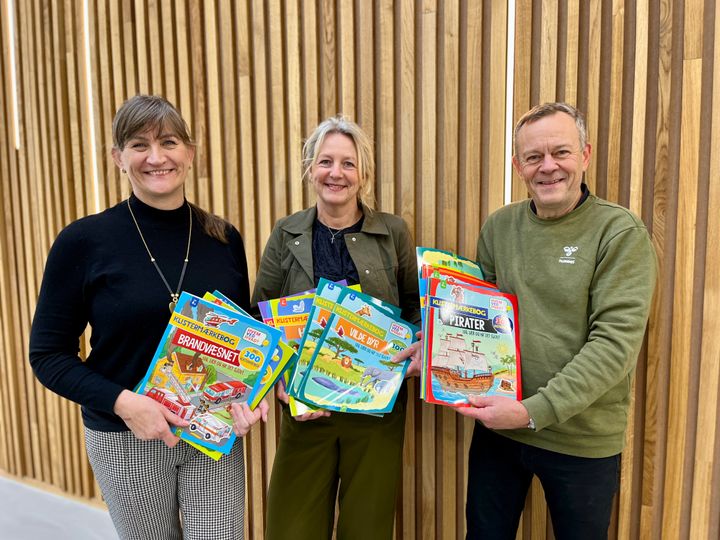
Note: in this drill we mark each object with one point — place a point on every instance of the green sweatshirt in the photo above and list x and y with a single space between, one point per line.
584 284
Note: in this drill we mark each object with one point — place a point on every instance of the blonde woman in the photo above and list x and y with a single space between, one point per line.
353 458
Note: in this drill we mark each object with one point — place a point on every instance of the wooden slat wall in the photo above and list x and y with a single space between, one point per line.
647 74
427 79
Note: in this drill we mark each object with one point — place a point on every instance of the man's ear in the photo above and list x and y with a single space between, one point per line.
516 165
586 153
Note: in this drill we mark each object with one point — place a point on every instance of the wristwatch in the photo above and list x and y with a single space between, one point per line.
531 424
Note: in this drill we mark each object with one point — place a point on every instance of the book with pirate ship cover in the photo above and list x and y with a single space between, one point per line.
471 343
209 357
450 276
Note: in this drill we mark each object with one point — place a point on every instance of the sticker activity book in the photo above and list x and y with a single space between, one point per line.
325 296
472 344
209 357
289 314
283 357
349 367
471 341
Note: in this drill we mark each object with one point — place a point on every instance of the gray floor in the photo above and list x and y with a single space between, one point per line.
27 513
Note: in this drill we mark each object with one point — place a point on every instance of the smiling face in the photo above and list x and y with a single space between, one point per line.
335 176
551 162
157 164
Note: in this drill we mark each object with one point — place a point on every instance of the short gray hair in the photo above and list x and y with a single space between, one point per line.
547 109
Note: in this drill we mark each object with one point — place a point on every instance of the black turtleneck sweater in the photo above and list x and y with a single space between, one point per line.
98 272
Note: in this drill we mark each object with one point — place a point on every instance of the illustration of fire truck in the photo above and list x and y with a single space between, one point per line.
173 402
224 391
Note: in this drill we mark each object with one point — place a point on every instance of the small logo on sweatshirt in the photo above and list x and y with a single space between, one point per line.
568 258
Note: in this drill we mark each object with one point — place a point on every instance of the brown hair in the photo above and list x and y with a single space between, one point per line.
547 109
363 147
144 113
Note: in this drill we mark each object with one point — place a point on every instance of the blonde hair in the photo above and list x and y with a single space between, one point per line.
142 113
363 147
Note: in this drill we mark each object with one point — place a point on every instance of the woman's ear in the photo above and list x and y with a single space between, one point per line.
117 158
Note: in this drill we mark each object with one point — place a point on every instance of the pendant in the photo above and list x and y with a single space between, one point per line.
172 305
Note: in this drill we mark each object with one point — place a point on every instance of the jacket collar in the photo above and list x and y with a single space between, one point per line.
302 222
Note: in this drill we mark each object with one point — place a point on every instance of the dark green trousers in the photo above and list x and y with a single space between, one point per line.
353 457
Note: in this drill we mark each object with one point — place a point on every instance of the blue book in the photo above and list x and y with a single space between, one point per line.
350 368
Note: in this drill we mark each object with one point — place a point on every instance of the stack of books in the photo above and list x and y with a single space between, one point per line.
471 341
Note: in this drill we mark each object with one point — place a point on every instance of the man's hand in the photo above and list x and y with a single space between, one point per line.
147 418
244 418
414 353
496 412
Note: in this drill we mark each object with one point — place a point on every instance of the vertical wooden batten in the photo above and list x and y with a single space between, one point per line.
426 79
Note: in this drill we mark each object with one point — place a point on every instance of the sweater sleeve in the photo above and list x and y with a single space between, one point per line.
60 319
485 250
620 296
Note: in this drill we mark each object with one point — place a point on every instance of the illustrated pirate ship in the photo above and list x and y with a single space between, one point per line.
458 369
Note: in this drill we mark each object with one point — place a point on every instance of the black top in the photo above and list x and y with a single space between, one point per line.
331 258
584 194
98 272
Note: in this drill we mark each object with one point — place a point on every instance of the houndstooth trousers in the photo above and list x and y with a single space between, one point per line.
149 488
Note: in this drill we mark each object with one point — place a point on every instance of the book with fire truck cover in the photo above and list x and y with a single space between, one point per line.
208 358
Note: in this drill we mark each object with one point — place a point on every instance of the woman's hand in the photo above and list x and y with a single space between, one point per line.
310 415
281 393
414 354
147 418
244 418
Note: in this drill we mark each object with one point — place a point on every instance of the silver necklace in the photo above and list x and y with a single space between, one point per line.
174 296
333 235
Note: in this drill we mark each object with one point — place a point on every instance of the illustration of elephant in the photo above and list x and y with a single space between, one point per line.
377 379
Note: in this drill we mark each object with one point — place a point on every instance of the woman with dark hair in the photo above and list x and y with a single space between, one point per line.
353 458
119 271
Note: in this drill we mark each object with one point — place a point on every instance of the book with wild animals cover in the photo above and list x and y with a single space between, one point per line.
349 368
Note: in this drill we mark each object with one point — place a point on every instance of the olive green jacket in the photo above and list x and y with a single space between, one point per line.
383 253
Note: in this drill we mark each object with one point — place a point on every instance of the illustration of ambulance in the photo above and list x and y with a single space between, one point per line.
206 426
